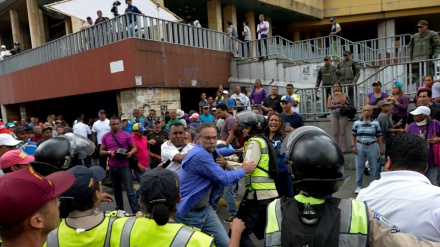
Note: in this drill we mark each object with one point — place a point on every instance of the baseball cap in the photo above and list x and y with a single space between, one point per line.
58 121
206 106
86 181
156 119
225 92
180 113
421 110
383 102
195 115
46 127
124 117
27 191
20 129
10 125
332 19
398 84
3 129
15 157
347 52
286 99
139 127
214 109
8 140
159 186
327 58
3 46
422 23
377 83
101 111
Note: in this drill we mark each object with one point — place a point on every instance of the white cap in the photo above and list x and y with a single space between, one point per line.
8 140
421 110
225 92
180 113
3 46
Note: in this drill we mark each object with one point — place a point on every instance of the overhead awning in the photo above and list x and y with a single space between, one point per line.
81 9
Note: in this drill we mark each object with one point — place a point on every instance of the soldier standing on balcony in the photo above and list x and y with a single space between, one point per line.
424 45
348 71
326 75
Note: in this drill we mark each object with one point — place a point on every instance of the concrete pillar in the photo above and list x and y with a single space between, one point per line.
318 35
15 25
68 25
22 111
229 14
269 19
36 25
4 114
296 36
386 28
215 15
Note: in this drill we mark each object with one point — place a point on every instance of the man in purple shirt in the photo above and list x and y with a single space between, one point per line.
120 171
200 177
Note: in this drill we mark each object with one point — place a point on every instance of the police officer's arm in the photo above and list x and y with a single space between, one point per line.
357 71
253 152
318 78
384 233
435 44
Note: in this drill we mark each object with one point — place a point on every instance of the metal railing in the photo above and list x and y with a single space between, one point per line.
374 52
314 100
114 30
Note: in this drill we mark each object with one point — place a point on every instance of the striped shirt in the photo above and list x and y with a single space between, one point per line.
366 131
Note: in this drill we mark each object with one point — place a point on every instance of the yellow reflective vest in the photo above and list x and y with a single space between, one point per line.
131 232
66 236
354 227
259 179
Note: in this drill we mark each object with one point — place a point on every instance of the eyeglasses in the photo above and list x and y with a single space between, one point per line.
207 138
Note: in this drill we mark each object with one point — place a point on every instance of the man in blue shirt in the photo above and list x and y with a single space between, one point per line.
22 134
366 143
206 117
126 125
131 18
201 174
291 119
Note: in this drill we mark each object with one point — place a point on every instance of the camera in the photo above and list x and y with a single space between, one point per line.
114 9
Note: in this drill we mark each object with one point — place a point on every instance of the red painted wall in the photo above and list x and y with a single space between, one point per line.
159 65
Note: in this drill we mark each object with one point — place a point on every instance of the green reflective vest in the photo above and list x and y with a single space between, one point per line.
66 236
424 46
259 179
131 232
354 227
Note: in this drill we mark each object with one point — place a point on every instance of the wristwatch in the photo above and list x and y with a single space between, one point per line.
108 153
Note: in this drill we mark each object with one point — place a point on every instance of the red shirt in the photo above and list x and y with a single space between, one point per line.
36 138
142 150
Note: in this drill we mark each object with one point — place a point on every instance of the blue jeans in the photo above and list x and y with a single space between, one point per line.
432 173
370 153
208 221
138 176
122 175
228 193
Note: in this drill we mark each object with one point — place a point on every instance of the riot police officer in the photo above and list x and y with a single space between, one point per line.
314 217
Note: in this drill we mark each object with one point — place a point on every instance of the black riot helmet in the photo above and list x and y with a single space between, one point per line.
250 118
61 153
316 160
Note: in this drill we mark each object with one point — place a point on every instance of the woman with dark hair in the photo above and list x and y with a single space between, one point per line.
374 97
400 102
275 134
335 102
160 193
258 94
83 223
428 129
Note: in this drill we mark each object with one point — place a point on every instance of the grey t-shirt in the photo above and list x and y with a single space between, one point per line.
436 90
386 124
228 125
234 31
248 36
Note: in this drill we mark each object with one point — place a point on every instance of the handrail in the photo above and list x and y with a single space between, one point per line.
114 30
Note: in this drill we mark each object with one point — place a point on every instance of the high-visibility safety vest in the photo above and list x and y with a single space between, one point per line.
353 230
259 179
66 236
131 232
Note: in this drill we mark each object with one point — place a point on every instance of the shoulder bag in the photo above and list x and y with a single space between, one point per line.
349 110
133 161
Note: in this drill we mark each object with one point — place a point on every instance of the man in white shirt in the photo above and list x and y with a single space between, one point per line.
263 34
403 194
99 128
4 53
81 129
241 100
175 150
